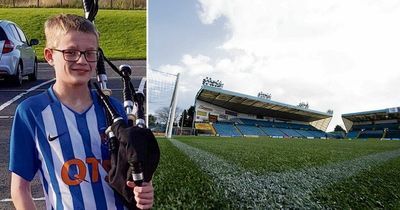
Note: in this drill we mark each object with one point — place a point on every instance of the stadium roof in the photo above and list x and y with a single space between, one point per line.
382 114
257 106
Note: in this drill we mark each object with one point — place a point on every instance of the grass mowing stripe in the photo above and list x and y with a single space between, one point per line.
376 188
291 189
280 155
180 184
238 185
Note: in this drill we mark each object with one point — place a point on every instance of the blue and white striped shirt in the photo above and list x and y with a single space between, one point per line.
67 148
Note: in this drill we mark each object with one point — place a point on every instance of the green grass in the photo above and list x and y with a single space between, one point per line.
262 155
377 188
179 184
122 32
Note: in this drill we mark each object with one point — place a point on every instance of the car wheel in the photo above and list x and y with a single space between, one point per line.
17 79
33 76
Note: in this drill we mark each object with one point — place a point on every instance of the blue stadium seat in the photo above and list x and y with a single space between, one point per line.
352 134
248 130
312 133
380 126
226 129
319 134
273 132
393 134
291 133
336 135
276 129
254 122
370 134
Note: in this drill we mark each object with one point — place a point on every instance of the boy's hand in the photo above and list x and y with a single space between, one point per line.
144 195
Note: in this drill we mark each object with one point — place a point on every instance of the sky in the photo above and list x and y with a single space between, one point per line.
339 55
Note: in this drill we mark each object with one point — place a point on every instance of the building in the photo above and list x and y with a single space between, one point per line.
226 113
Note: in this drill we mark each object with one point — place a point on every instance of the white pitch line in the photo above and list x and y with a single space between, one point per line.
9 199
287 190
8 103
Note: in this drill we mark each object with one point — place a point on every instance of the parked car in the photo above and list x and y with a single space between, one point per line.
17 56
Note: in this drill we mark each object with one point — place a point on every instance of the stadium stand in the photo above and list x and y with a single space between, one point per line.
235 114
381 124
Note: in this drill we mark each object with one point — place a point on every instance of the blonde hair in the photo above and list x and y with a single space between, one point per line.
59 25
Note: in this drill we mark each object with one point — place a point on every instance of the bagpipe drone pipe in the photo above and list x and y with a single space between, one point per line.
133 148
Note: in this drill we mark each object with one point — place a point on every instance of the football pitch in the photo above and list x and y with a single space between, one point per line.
266 173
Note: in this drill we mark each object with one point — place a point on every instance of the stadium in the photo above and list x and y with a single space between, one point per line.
281 154
225 113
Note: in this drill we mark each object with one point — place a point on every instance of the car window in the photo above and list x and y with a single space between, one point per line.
3 35
14 31
21 34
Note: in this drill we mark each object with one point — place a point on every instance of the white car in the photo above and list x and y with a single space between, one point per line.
17 56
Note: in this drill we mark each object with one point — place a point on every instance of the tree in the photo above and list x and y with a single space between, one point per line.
191 112
339 128
183 118
187 117
152 120
162 115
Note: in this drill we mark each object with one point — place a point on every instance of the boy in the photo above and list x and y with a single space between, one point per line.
59 132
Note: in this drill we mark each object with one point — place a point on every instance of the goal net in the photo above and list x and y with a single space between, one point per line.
162 99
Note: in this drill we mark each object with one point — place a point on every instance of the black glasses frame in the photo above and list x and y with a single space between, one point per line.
80 54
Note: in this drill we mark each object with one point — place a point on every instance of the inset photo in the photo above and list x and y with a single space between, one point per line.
73 105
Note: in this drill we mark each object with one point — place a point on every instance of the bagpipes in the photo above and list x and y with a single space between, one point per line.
133 148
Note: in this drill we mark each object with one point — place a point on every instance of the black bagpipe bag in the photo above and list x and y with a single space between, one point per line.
134 144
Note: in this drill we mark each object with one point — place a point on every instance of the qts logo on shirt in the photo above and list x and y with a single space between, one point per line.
80 169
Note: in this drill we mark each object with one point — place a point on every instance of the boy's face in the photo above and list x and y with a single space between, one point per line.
72 73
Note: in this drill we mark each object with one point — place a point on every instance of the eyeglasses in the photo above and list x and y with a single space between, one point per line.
74 55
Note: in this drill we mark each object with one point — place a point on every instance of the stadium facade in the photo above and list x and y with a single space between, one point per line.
227 113
382 124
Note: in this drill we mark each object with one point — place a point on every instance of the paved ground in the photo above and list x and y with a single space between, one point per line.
7 109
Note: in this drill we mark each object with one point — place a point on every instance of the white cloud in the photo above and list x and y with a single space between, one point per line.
197 65
340 55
